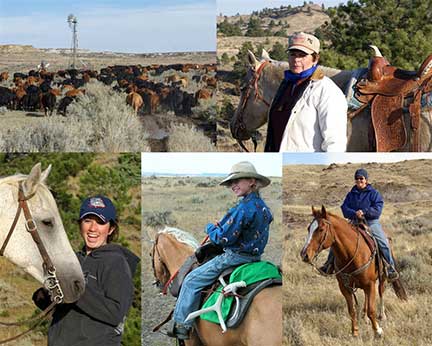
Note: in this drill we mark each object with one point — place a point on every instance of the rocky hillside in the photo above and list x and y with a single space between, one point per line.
278 23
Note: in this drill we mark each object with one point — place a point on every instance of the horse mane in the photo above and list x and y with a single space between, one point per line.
182 236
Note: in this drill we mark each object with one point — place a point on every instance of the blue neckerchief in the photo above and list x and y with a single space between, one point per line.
295 77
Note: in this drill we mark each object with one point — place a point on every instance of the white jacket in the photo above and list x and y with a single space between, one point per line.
318 121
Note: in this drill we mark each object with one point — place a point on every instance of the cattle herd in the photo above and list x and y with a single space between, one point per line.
40 90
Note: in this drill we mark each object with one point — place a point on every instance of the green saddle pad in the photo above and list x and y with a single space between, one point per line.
249 273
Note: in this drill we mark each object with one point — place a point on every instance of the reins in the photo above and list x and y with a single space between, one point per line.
341 270
51 282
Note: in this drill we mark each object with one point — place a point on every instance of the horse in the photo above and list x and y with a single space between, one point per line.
262 324
36 240
259 88
355 264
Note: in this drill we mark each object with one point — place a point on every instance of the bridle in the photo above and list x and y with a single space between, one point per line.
158 283
341 270
251 86
51 282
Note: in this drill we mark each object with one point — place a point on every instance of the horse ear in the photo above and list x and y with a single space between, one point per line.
252 59
33 179
45 174
265 55
314 211
323 212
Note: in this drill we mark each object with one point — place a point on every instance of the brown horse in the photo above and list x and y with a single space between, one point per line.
355 264
262 324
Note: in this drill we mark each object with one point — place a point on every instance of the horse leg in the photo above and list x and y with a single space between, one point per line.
381 287
365 310
370 294
350 302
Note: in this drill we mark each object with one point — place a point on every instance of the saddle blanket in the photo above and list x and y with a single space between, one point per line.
250 273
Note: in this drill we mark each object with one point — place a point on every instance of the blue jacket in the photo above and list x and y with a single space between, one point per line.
368 200
245 228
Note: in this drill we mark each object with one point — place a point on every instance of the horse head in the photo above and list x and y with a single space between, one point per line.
320 235
171 247
160 270
29 210
257 91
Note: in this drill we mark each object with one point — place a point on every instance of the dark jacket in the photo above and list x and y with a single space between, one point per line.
368 200
245 228
97 318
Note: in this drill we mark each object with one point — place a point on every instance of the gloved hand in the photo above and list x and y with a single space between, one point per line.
41 298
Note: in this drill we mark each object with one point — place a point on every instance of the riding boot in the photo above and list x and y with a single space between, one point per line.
179 331
328 267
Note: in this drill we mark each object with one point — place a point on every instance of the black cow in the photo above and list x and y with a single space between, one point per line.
7 98
64 103
48 103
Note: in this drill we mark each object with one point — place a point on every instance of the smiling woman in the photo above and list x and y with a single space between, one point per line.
98 317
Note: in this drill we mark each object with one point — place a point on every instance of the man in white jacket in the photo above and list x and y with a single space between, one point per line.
309 111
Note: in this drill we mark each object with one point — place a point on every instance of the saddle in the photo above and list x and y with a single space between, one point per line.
385 89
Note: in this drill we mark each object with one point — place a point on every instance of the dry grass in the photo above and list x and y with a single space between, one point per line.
315 311
187 138
189 204
99 121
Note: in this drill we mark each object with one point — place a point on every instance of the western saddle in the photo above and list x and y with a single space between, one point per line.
385 89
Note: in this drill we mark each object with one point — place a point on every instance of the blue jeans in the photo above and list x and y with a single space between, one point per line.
382 241
201 277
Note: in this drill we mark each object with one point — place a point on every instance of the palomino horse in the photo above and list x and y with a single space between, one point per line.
355 264
261 84
262 324
28 210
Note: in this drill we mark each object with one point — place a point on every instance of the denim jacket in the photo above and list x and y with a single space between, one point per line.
245 228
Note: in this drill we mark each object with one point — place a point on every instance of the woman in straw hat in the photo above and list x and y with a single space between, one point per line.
242 233
309 111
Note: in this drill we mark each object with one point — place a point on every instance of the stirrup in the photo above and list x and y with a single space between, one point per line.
216 307
178 332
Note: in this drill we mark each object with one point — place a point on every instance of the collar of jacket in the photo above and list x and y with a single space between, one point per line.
318 74
249 197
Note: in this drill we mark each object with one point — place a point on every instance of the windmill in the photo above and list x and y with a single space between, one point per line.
72 20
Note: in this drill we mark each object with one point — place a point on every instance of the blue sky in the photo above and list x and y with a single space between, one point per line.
232 7
134 26
268 164
328 158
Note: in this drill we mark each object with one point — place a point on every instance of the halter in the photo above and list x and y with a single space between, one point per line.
252 85
51 282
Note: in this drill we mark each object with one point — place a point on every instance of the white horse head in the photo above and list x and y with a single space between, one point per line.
21 249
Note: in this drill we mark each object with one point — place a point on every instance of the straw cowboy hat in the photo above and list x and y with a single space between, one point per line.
245 169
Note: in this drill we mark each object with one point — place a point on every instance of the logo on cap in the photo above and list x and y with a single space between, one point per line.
96 202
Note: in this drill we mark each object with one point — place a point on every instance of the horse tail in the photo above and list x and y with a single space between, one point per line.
399 289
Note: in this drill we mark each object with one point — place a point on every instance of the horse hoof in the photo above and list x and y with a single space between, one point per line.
382 317
379 333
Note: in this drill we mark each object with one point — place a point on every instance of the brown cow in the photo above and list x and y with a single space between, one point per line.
4 76
75 92
135 101
203 94
210 81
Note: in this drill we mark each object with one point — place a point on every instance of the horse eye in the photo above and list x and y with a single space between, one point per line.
48 222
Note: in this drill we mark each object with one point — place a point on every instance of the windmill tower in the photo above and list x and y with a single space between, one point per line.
72 20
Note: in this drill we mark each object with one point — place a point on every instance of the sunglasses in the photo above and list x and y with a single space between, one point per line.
359 178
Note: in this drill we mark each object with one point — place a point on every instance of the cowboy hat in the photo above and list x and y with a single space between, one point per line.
245 169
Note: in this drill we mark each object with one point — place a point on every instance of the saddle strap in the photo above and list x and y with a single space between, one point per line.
165 321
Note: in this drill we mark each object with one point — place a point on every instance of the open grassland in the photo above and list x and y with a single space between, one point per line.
72 178
189 204
315 311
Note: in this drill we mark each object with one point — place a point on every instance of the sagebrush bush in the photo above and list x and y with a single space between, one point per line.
99 121
187 138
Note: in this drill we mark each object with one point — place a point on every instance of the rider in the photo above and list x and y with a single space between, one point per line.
242 233
364 202
309 111
98 317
